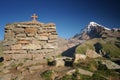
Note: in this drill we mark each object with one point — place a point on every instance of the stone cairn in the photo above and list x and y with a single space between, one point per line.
30 40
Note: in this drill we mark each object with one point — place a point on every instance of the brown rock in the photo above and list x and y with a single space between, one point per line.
15 52
9 35
51 41
31 30
21 35
79 57
18 30
32 46
92 54
30 34
49 46
7 57
23 41
21 56
16 46
41 37
53 37
35 67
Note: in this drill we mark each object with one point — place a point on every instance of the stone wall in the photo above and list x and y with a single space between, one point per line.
30 38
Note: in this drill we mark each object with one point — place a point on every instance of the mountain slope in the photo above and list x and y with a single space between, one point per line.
106 47
100 39
95 30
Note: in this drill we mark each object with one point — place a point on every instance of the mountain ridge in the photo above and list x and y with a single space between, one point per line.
95 30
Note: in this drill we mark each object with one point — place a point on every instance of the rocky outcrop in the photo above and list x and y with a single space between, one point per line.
92 54
78 57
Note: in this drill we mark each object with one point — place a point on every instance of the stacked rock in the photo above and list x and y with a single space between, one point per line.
29 38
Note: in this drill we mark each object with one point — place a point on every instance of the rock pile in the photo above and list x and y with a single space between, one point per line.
29 40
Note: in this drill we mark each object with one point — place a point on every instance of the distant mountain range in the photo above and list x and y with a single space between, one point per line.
95 30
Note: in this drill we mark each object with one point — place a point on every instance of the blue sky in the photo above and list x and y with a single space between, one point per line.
70 16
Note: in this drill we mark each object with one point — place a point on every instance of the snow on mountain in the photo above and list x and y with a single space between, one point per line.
93 30
96 24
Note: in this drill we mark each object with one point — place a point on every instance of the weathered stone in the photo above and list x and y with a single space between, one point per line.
21 68
81 71
10 42
49 46
21 56
92 54
32 46
79 57
26 38
6 48
42 51
59 62
9 27
53 37
50 25
111 65
15 52
37 42
44 34
30 30
21 35
5 71
51 41
41 37
30 35
18 30
23 42
26 72
16 46
7 57
35 67
6 77
9 35
19 77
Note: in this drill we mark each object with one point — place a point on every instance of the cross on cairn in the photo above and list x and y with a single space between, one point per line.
34 16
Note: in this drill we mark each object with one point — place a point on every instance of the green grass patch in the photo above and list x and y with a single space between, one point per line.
89 64
1 64
47 75
108 46
82 48
111 49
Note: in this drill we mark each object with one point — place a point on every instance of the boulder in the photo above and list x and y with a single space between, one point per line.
92 54
78 57
59 62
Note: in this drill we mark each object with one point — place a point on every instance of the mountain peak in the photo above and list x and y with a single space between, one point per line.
93 30
94 24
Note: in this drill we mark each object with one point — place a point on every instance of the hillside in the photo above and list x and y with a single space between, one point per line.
108 47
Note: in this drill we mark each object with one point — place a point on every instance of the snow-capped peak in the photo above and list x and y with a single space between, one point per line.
96 24
93 24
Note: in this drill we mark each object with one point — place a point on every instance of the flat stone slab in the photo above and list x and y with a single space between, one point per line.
81 71
110 64
32 68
